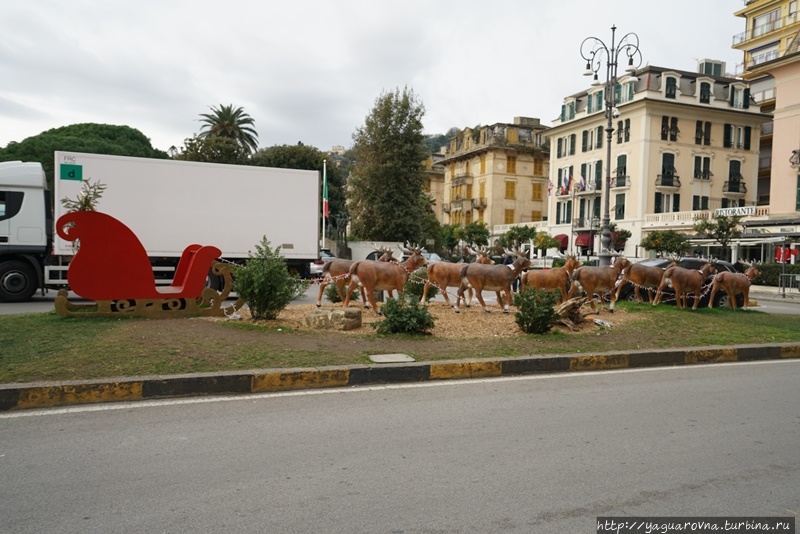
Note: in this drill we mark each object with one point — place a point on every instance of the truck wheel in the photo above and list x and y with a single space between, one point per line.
18 281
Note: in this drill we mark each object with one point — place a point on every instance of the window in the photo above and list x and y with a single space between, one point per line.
736 137
620 128
584 140
572 141
699 203
702 168
559 149
598 176
511 164
536 215
511 189
705 93
669 128
483 163
671 87
599 137
667 203
735 177
508 217
598 100
619 209
537 192
589 102
740 97
702 133
627 130
668 171
538 167
468 217
621 172
571 110
767 22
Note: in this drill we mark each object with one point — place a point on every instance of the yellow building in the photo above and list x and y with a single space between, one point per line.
771 64
496 174
683 144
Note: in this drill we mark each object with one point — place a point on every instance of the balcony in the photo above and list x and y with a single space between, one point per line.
586 223
620 181
668 181
734 188
479 203
462 179
702 174
763 29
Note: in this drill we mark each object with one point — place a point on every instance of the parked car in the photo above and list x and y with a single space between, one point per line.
316 267
720 300
432 257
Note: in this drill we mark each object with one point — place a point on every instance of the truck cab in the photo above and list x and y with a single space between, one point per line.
26 229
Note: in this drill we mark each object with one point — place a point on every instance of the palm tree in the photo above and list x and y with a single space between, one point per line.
228 121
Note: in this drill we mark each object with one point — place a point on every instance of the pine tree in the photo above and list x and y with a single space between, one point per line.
386 181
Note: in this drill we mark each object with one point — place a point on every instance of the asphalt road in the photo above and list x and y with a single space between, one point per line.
524 454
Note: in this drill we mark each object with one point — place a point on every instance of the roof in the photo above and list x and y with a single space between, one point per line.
19 174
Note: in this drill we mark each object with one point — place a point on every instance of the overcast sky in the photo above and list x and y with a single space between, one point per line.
310 71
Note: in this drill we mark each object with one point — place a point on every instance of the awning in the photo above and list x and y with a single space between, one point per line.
584 239
563 239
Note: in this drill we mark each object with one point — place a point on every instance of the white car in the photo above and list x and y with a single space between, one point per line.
316 266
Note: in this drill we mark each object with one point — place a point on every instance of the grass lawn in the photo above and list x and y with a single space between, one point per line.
35 347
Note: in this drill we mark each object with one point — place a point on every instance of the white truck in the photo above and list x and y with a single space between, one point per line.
168 205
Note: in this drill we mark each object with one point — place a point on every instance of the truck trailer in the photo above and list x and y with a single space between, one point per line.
168 204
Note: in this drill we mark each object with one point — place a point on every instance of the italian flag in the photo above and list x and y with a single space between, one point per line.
325 212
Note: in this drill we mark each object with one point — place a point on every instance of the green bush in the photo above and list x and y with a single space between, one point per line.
771 273
415 285
333 296
265 284
535 313
403 317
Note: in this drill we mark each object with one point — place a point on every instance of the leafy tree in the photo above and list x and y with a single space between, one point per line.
666 242
227 121
477 232
87 200
387 177
722 228
306 157
86 137
618 236
516 236
213 149
544 241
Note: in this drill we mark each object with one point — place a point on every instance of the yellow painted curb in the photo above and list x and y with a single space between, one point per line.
35 397
300 379
711 355
790 352
444 371
608 361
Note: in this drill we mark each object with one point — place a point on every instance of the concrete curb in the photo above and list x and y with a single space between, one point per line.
49 394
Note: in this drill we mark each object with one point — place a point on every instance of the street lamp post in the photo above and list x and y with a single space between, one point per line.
593 50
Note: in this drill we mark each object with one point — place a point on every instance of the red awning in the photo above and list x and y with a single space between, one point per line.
583 240
563 239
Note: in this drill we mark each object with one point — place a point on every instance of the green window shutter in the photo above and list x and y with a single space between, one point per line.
658 207
558 212
698 133
569 211
558 149
598 175
584 140
589 100
746 98
627 130
707 134
695 202
619 132
572 142
676 202
582 209
596 203
617 90
563 112
583 170
704 203
747 130
727 139
664 128
599 137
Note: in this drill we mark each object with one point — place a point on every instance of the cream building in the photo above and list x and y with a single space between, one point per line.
683 145
771 64
496 174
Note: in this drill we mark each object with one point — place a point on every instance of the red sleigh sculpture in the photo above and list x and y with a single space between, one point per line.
111 267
